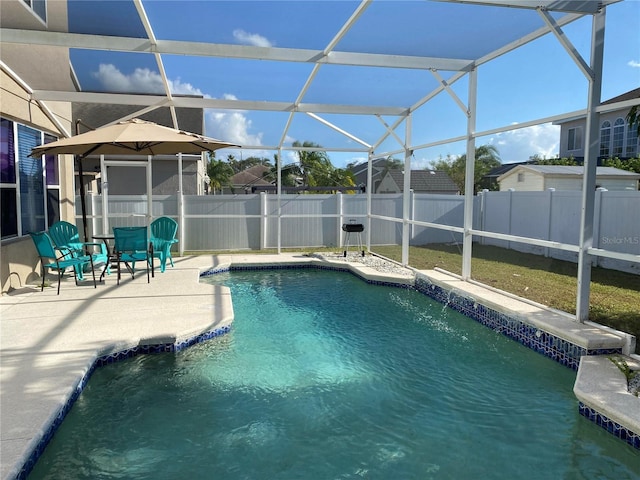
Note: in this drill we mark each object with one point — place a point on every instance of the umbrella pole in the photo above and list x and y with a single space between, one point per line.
83 204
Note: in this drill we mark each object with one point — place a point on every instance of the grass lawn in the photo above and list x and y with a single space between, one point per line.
615 296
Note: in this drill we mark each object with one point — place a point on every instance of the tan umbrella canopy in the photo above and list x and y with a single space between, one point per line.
130 137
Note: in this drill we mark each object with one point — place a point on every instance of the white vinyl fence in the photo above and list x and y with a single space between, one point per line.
237 222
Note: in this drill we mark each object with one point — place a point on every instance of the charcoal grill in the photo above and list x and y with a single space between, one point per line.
348 229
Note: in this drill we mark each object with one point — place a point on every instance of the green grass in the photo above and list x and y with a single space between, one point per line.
614 300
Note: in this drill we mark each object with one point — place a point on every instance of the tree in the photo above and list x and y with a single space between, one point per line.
555 161
315 165
393 164
219 172
288 173
341 177
487 158
631 165
240 165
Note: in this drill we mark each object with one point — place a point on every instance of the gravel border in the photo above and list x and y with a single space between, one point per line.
372 261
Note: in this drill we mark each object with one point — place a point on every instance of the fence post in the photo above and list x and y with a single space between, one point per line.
340 205
547 251
510 212
597 220
483 213
412 216
263 220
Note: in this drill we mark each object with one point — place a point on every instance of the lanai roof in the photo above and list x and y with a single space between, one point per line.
326 75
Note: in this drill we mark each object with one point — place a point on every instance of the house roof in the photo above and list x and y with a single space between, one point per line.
377 169
362 167
425 181
571 171
251 176
630 95
502 169
96 115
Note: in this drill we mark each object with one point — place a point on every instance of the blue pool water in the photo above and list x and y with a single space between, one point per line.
326 377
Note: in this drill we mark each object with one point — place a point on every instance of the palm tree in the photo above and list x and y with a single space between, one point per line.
487 158
315 166
219 172
288 174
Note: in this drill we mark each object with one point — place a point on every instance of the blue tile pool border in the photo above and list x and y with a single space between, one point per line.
610 426
558 349
549 345
108 359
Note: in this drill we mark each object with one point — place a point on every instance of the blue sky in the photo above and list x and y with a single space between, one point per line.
535 81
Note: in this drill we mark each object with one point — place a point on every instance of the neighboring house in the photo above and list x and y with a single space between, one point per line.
490 180
248 179
422 181
617 137
560 177
378 168
35 193
129 180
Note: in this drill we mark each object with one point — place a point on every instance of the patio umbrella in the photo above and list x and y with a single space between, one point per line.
135 136
130 137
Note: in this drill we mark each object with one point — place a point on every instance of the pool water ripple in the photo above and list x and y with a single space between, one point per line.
324 376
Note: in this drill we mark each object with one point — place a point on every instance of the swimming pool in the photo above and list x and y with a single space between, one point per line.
325 376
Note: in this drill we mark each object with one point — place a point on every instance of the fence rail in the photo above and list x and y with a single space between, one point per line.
544 223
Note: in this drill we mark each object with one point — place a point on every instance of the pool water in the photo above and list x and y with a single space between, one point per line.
326 377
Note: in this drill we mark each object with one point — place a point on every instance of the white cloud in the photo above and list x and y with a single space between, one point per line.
232 127
519 145
634 64
142 80
254 39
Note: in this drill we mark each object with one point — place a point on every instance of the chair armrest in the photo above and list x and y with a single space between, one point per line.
101 245
67 251
160 243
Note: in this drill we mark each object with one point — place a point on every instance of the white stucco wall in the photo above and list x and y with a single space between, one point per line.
532 181
38 67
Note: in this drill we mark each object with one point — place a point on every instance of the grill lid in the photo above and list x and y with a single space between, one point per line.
352 227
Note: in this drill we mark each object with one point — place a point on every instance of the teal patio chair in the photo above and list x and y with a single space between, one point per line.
60 261
66 239
131 245
163 236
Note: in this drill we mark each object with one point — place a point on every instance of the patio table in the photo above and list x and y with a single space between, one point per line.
106 237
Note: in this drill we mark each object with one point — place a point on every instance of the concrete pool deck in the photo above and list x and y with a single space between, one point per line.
49 342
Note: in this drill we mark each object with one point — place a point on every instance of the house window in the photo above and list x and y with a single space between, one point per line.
520 177
605 138
29 187
631 149
575 139
39 8
618 138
